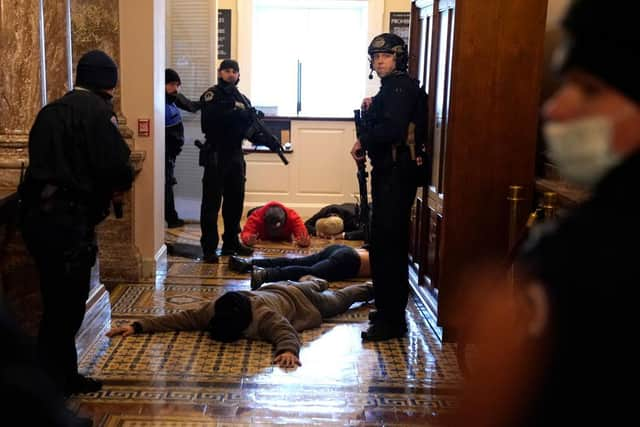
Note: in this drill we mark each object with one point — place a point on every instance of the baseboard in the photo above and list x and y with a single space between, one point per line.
149 265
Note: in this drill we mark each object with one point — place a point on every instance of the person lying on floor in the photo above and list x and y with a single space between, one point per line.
275 313
335 262
275 222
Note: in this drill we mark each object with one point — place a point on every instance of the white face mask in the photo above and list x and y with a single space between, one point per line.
581 149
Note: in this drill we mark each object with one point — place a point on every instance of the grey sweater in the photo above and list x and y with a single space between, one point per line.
280 310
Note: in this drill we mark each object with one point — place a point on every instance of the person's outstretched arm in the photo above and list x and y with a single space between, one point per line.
186 104
276 329
187 320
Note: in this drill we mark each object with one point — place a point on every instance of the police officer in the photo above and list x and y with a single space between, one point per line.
78 163
225 121
174 140
393 186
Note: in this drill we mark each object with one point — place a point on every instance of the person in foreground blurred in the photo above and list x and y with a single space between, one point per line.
565 340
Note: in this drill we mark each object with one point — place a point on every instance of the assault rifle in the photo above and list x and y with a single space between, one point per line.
259 134
362 174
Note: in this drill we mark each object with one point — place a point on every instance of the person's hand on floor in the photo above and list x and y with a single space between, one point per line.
125 331
287 360
302 241
253 239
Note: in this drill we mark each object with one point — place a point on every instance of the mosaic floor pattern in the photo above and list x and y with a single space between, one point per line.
186 379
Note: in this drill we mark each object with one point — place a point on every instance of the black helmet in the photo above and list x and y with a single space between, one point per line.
390 43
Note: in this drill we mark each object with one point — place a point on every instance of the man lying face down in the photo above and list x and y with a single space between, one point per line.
275 313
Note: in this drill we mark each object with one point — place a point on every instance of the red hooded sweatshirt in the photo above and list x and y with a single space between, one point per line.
255 224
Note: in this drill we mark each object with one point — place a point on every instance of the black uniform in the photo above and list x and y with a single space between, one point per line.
77 159
225 121
174 140
393 189
589 267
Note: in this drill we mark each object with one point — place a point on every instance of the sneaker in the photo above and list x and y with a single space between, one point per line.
239 265
82 384
175 224
258 277
210 258
240 249
382 332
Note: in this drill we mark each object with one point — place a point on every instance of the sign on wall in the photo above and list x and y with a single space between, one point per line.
399 24
224 33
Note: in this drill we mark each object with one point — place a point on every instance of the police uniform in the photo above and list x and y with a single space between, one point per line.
393 189
225 120
77 160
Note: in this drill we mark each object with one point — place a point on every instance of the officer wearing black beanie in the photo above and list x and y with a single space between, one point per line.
78 164
96 71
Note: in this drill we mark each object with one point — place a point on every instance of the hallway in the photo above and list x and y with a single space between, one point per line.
180 379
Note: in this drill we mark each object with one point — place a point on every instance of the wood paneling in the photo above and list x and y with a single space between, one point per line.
485 74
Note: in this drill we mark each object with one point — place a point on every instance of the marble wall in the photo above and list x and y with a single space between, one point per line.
95 25
23 91
20 87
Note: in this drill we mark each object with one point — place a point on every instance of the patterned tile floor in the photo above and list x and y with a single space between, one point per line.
186 379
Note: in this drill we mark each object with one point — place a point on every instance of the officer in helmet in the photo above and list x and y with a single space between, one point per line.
393 185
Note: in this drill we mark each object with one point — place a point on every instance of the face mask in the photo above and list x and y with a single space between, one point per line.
581 149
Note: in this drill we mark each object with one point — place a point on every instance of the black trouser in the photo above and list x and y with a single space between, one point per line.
62 242
223 178
393 191
335 262
170 213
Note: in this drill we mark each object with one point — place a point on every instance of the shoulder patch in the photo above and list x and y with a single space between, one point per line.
208 96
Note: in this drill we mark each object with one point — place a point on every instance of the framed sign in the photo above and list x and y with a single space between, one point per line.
224 33
399 24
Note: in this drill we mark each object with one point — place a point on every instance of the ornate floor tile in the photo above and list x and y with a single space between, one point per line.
186 379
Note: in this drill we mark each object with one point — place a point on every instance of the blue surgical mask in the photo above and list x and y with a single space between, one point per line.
581 149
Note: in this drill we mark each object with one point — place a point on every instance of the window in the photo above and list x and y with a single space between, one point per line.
189 44
309 56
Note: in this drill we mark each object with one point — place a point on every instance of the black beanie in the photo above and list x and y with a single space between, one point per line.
96 70
170 76
231 317
229 63
604 41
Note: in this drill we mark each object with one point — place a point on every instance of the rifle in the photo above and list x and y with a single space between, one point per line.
259 134
362 174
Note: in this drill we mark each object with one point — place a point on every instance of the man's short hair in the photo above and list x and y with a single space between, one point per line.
274 219
231 317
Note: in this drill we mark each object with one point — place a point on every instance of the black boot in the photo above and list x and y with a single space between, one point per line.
82 384
258 277
236 249
240 265
382 331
